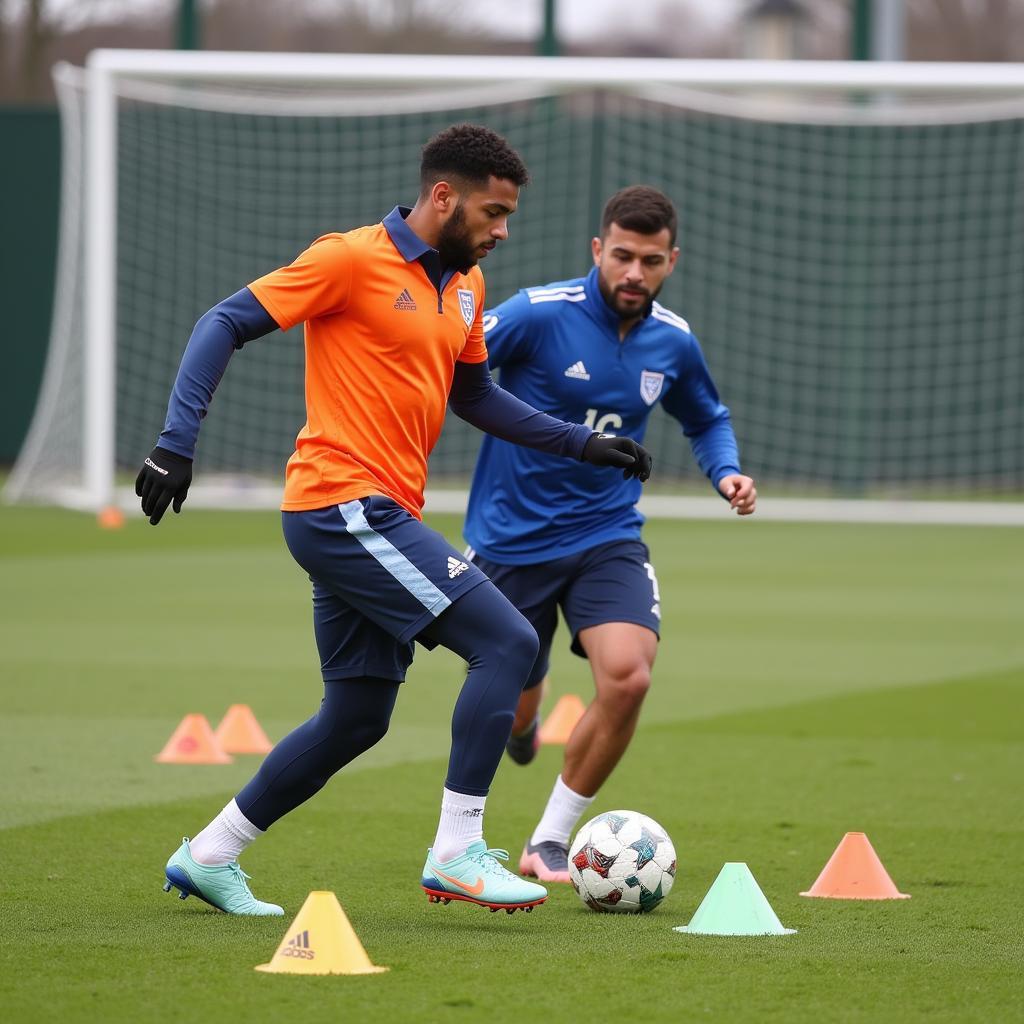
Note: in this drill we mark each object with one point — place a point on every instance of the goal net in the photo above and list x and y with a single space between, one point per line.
852 252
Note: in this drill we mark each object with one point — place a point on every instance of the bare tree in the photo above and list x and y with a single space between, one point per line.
5 48
344 26
38 34
35 33
981 30
32 36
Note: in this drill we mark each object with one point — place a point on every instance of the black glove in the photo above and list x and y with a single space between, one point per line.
164 477
609 450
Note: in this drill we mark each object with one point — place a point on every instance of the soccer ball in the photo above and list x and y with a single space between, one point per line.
622 862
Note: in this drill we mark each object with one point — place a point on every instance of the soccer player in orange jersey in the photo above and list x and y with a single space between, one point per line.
393 334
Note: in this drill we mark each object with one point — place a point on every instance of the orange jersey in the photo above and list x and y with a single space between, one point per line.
381 346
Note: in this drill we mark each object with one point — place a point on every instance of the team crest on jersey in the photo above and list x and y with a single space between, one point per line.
467 303
650 385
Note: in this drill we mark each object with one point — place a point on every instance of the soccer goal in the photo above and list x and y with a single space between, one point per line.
852 240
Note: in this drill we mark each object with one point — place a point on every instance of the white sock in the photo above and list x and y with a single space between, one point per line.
224 838
562 812
462 823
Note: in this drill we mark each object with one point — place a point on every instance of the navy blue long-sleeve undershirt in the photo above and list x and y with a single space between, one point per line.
241 318
228 326
478 400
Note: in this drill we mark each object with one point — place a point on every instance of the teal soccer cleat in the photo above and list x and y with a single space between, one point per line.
477 877
223 887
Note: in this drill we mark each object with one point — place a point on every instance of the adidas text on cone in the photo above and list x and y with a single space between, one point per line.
320 941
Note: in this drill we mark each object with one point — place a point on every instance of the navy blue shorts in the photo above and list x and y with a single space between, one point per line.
612 582
379 577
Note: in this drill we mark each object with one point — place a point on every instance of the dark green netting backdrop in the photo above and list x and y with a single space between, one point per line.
858 289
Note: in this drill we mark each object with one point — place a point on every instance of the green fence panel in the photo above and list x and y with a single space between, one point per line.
29 206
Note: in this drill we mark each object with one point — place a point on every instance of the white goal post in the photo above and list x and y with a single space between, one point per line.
829 214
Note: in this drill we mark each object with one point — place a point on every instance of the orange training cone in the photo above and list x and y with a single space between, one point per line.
854 872
110 518
193 742
320 941
240 733
562 720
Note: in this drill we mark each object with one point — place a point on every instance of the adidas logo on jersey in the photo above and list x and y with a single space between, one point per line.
299 947
405 301
578 371
455 567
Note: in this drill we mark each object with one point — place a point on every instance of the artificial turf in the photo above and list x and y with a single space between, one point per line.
812 680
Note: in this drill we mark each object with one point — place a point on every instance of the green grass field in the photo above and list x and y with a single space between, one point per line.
812 680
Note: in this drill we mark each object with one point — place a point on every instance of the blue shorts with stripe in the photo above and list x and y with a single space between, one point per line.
379 577
612 582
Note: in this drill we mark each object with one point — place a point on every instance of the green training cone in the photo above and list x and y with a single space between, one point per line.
735 905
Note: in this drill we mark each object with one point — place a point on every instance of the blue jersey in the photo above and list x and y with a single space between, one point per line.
558 348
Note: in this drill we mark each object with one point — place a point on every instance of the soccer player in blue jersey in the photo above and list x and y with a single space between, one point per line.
597 350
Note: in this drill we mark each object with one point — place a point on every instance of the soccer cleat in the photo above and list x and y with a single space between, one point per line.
223 886
477 877
547 861
523 748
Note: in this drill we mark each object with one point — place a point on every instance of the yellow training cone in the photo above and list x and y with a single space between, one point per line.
320 941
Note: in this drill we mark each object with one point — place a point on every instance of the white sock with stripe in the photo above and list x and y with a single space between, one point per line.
461 823
560 816
223 840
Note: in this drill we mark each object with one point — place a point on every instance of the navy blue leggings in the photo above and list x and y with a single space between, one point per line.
487 632
500 646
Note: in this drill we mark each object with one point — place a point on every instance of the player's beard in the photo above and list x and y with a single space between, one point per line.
611 296
454 244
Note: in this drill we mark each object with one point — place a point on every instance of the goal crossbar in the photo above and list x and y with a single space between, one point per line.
562 72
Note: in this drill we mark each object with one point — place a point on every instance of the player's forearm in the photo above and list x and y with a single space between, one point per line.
221 330
715 449
478 400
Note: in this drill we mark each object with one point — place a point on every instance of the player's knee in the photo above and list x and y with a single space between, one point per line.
519 643
365 734
514 646
351 732
627 686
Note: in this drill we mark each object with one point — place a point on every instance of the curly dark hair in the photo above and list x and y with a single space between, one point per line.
640 208
470 153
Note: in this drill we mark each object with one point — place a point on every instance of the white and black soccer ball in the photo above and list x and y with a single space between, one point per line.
622 862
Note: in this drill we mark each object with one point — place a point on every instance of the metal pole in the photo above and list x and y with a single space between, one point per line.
860 30
100 300
188 25
547 45
888 30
